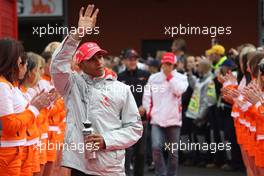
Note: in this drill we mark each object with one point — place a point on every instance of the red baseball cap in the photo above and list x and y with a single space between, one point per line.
168 57
87 50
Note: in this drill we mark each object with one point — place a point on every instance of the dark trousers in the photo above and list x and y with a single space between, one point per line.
230 136
135 155
224 131
192 133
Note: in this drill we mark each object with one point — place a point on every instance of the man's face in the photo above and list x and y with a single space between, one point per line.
131 63
94 66
180 66
215 58
167 67
202 68
190 62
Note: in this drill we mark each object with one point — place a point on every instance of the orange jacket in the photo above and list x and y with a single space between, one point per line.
32 129
250 116
43 123
55 116
259 116
15 115
57 113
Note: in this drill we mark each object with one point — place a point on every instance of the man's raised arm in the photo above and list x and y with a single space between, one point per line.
62 57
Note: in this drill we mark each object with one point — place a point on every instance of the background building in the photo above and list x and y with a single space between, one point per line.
140 24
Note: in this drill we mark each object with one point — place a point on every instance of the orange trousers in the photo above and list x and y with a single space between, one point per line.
27 160
10 161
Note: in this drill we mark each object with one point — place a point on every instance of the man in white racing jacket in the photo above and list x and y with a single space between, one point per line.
95 96
162 101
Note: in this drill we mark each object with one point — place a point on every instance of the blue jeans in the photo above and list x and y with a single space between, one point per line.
160 136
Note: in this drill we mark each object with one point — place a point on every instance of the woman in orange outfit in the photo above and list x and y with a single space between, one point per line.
233 93
250 121
31 151
29 87
255 96
243 113
42 123
16 113
54 120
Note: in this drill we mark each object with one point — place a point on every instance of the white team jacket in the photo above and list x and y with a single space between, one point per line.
107 103
165 97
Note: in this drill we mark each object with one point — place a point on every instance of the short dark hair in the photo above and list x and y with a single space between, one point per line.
10 51
47 56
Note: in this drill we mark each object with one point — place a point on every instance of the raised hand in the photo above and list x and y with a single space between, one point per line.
87 20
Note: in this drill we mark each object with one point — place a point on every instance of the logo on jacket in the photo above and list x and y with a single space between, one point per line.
105 101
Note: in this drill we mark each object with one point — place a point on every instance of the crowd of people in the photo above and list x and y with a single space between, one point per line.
172 98
222 105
